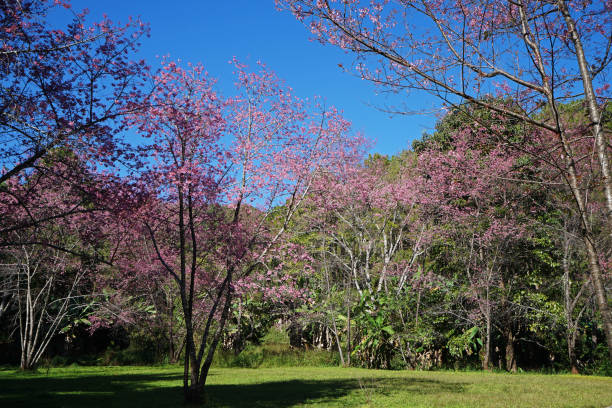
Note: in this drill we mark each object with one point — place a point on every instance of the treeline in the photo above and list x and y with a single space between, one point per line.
464 252
461 253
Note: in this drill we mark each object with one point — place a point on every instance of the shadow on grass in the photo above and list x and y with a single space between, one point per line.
142 390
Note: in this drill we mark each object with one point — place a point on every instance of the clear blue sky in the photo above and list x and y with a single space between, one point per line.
212 32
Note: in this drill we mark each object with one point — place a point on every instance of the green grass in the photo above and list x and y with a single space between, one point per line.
91 387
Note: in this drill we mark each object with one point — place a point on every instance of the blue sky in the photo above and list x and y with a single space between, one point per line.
212 32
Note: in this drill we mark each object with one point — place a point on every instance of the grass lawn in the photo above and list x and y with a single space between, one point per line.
91 387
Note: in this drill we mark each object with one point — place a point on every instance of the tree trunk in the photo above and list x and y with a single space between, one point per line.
511 365
194 394
600 293
588 240
340 352
486 351
171 345
604 163
571 352
348 321
487 340
594 111
571 332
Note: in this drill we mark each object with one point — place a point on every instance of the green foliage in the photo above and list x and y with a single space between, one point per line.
141 352
276 336
467 342
275 356
394 165
473 116
599 364
250 357
251 319
373 318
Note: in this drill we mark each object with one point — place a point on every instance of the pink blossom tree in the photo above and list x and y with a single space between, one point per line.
374 214
63 93
138 294
482 211
53 258
226 177
64 86
371 234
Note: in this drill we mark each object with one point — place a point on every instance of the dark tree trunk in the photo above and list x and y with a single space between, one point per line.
348 334
194 394
486 350
571 352
511 365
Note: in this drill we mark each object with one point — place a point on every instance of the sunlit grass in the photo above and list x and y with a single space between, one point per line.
91 387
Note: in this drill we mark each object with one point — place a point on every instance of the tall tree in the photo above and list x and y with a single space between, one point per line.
480 210
226 177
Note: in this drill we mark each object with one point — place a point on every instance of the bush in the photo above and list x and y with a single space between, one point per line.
60 361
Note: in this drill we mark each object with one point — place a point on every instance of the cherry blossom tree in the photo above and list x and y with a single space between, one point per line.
371 215
482 212
226 177
371 234
63 93
61 190
64 88
139 295
53 259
